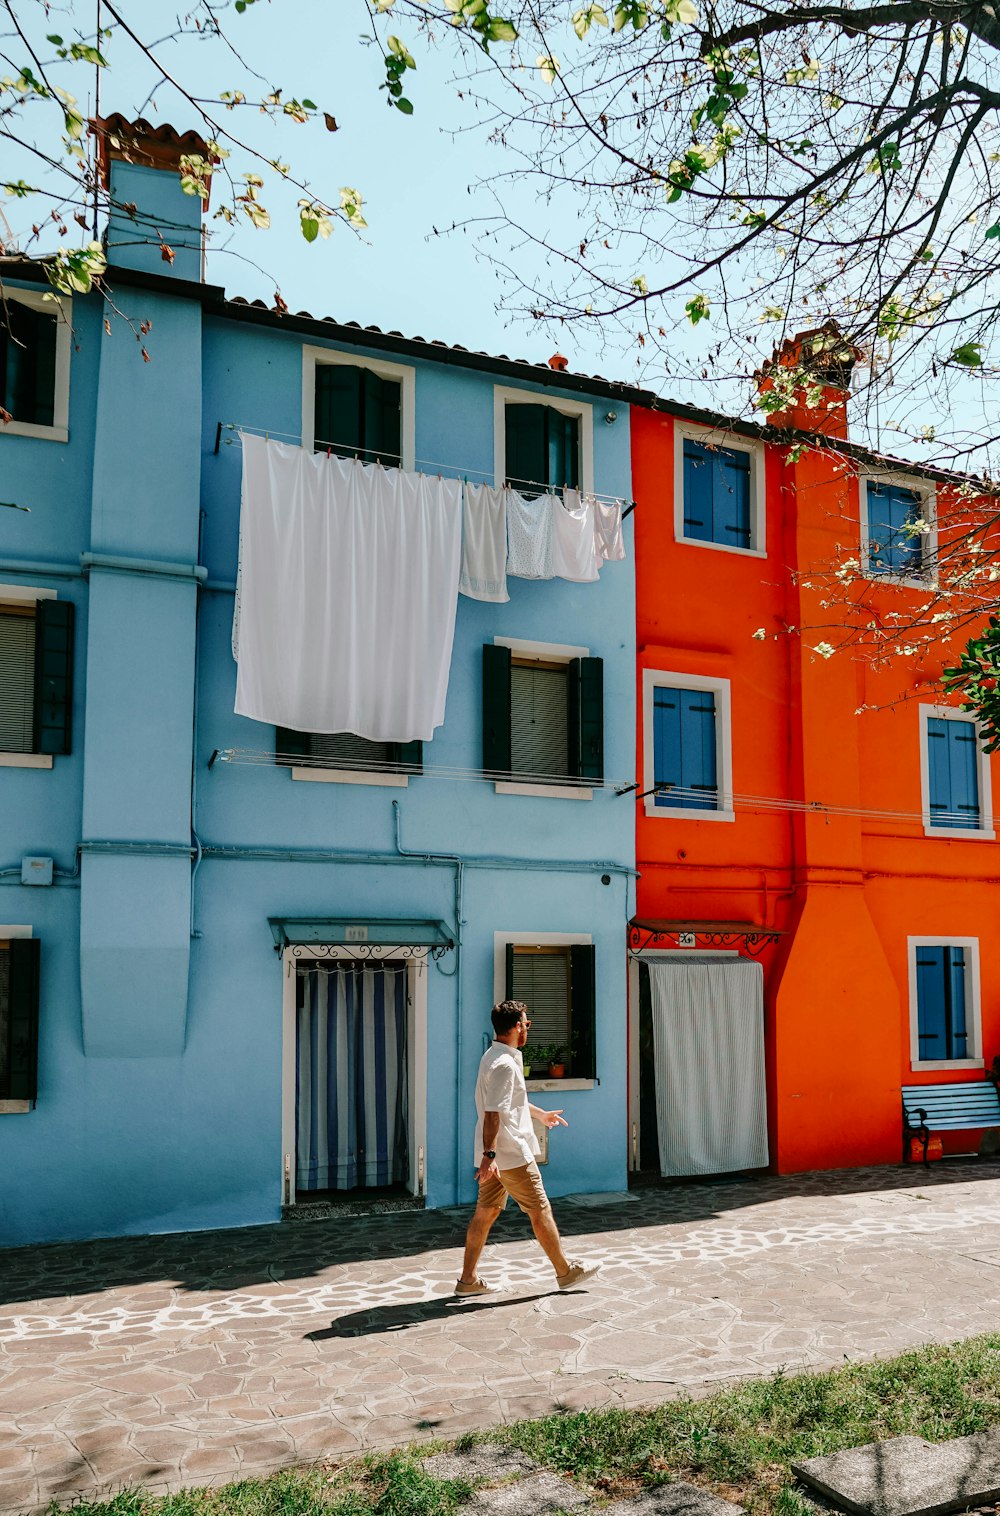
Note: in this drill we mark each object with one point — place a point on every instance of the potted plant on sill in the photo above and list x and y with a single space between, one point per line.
536 1055
557 1063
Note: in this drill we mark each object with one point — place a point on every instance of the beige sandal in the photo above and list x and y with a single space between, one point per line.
477 1287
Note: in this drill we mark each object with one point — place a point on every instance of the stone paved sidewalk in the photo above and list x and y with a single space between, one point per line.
202 1357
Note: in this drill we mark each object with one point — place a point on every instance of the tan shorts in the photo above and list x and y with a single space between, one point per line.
524 1185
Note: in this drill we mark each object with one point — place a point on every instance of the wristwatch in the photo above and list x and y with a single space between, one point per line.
489 1153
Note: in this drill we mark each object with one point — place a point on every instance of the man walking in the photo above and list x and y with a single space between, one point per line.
505 1150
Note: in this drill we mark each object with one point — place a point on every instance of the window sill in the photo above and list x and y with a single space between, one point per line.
350 776
14 1107
923 582
31 429
25 760
682 813
723 547
947 1063
552 1086
963 834
545 791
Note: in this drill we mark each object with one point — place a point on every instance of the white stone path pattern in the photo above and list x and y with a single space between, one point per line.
204 1357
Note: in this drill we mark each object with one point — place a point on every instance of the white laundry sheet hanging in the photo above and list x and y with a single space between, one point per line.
708 1048
348 594
608 535
484 543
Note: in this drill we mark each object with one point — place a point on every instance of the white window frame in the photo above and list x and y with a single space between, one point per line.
927 492
20 594
985 832
504 395
973 1004
15 1107
417 970
62 309
654 679
404 374
717 437
549 652
537 939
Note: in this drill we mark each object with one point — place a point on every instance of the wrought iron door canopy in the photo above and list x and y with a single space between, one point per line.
645 934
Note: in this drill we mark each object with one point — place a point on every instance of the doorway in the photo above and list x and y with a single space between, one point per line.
697 1085
354 1078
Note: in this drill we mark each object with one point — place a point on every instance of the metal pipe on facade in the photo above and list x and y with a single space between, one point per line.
41 570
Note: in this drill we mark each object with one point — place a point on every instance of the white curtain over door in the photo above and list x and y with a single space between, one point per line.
708 1041
351 1078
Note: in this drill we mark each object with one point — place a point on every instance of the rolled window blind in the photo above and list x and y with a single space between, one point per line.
541 980
539 727
17 680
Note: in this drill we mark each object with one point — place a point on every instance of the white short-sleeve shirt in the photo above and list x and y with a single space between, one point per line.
500 1087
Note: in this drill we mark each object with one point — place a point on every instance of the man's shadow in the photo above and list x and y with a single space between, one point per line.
396 1318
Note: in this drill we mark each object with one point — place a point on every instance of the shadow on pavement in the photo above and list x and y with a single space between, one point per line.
396 1318
237 1258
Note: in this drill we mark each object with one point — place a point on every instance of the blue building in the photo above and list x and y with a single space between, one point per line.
192 899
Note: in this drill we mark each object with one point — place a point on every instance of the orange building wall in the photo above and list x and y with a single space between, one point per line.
846 890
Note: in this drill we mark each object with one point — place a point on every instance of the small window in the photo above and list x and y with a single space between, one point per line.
942 1022
717 488
346 752
19 960
953 762
28 352
895 538
358 413
36 676
685 750
542 449
543 719
557 984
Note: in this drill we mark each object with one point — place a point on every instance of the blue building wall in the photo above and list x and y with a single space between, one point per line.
160 1058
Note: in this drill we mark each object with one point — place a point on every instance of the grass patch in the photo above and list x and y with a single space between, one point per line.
739 1442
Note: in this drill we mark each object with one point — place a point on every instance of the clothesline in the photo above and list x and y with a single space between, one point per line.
434 466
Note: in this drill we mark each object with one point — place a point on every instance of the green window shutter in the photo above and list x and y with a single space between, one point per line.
526 448
563 450
508 983
409 756
289 745
583 989
53 709
496 709
380 409
20 1059
337 415
586 718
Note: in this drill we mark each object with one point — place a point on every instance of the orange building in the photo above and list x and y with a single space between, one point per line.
808 841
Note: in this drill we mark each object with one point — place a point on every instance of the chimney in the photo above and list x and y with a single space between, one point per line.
812 374
559 362
153 225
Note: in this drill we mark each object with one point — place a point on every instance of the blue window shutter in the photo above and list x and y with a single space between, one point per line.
938 771
931 1005
963 765
955 997
879 527
698 749
905 550
667 744
698 488
732 498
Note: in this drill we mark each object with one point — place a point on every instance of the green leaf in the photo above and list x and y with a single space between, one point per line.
310 105
505 31
52 37
698 309
969 355
994 231
404 106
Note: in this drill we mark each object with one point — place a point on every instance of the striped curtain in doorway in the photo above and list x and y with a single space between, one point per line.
351 1073
708 1045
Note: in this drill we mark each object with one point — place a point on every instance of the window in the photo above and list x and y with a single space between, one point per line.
34 365
894 538
944 1002
557 982
719 491
540 444
19 960
358 407
543 718
36 675
955 774
345 758
687 746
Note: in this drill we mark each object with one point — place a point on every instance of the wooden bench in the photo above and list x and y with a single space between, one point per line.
931 1108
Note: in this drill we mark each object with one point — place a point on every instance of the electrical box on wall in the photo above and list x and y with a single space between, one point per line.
36 870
